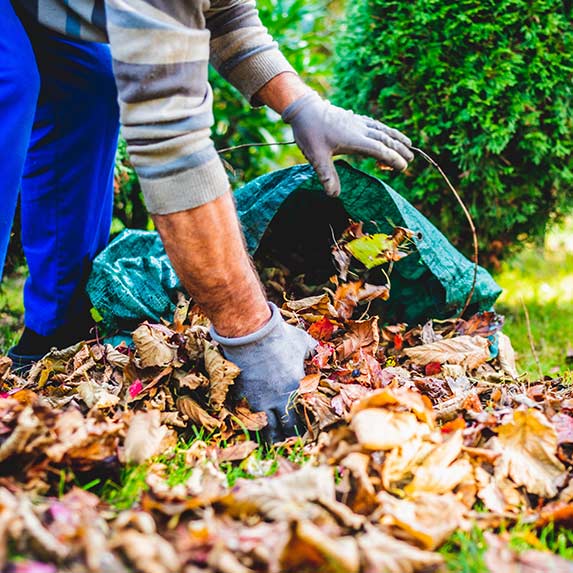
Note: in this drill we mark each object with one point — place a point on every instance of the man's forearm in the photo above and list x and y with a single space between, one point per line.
281 91
206 247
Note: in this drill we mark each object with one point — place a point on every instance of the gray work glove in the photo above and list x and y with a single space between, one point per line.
272 364
322 130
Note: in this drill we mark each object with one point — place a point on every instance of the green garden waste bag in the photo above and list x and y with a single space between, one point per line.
286 213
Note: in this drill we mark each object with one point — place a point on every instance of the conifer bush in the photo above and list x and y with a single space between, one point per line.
485 86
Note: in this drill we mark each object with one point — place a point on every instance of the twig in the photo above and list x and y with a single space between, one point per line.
470 222
244 145
530 337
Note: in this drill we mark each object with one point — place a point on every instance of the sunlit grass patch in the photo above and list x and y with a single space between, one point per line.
541 279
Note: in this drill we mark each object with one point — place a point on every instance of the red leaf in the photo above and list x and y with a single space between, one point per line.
322 329
433 368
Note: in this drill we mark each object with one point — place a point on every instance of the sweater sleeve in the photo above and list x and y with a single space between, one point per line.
160 51
242 50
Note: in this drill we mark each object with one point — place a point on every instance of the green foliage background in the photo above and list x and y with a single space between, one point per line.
485 86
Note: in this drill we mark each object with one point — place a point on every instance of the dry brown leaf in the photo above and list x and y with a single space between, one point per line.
310 547
138 540
152 347
236 452
309 383
146 437
196 414
489 491
399 400
469 351
362 335
401 462
378 429
419 516
318 305
362 497
500 558
287 497
441 471
18 440
382 553
506 355
191 380
95 395
249 420
528 444
222 374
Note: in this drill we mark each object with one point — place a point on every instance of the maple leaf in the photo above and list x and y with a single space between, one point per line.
527 442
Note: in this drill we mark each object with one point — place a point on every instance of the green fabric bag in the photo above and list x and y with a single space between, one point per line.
132 279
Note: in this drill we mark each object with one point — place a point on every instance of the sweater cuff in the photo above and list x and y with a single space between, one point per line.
275 321
250 75
186 190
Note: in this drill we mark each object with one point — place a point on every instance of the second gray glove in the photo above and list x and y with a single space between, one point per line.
322 130
272 364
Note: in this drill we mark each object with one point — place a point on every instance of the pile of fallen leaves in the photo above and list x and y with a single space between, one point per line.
411 434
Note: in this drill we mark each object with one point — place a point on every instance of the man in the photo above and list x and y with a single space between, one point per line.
160 51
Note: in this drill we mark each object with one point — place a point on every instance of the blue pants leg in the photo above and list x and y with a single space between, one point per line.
19 86
67 187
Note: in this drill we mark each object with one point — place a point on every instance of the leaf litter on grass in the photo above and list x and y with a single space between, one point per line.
412 434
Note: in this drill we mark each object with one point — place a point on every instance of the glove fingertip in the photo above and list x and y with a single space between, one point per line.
329 179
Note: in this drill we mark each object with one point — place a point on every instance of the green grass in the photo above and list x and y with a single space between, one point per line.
464 552
541 279
11 308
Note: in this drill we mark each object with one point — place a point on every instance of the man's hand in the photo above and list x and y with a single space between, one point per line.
323 130
272 364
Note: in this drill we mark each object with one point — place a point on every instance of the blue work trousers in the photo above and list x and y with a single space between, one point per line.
59 126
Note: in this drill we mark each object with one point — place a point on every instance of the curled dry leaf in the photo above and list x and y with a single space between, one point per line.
222 374
146 437
469 351
309 546
506 356
418 517
378 429
382 553
441 471
152 346
528 443
95 395
196 414
247 419
362 335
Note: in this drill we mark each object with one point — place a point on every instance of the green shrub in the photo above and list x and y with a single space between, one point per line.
485 86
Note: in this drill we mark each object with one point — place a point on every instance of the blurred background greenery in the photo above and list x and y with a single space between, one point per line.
484 86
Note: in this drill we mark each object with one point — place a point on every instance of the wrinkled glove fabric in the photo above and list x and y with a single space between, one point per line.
322 130
272 364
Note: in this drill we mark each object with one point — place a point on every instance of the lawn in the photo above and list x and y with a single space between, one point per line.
541 281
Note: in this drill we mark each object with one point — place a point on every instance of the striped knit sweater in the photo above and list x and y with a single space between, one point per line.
161 50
